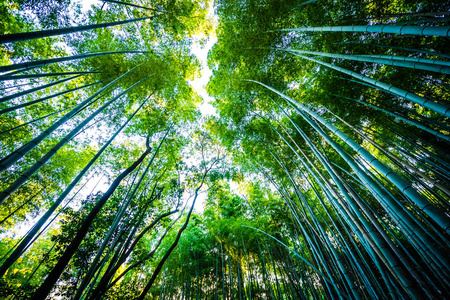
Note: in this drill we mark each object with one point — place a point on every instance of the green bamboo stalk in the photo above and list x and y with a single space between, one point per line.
324 236
28 201
439 217
46 116
223 273
44 290
43 75
326 278
113 227
18 154
33 169
26 76
304 3
407 15
434 65
341 208
129 4
25 36
427 103
230 273
397 211
26 241
44 258
391 251
403 49
265 275
33 64
414 231
406 120
45 98
23 93
249 274
409 262
279 292
402 163
16 86
134 265
418 153
174 244
317 250
103 284
443 31
216 274
435 62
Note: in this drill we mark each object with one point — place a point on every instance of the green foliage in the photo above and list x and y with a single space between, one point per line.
302 154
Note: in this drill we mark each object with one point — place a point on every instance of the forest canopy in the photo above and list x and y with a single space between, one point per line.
323 171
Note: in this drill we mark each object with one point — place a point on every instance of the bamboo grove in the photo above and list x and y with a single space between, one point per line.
323 173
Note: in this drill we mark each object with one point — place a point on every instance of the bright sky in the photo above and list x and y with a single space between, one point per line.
200 83
199 86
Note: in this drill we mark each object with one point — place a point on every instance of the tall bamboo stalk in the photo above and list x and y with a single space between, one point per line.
443 31
36 227
46 287
25 36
